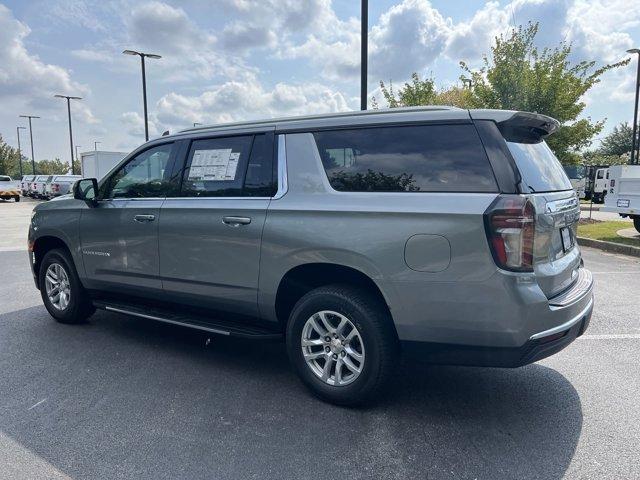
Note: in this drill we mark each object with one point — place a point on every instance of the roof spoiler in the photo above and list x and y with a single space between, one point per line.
521 127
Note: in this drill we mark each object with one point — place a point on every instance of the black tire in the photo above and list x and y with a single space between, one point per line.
79 307
636 223
373 322
16 198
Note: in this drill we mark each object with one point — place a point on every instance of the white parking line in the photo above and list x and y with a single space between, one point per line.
634 336
34 406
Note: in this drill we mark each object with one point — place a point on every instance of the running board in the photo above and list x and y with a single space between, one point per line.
231 329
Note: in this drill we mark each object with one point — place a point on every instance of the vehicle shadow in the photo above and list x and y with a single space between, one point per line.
132 398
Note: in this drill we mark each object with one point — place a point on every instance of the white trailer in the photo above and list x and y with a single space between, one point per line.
96 164
623 196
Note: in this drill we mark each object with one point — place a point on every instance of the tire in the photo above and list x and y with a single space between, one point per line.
78 306
375 341
16 198
636 223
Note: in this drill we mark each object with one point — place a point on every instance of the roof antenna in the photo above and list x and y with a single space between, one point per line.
165 133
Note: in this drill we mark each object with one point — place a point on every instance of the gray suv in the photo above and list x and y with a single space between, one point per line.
441 233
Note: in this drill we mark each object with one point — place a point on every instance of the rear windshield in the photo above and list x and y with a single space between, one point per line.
540 169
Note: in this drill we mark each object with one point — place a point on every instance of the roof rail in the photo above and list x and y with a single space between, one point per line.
353 113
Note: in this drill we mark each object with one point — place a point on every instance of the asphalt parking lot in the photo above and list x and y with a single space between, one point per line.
129 398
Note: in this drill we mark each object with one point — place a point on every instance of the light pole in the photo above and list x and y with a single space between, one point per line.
19 149
95 146
77 156
144 85
634 155
33 158
364 47
69 98
195 124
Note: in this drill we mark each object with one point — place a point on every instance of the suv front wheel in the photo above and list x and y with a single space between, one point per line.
62 293
342 344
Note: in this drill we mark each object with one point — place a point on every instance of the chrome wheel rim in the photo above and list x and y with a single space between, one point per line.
333 348
57 286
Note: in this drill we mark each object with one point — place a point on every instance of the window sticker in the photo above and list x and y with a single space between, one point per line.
214 165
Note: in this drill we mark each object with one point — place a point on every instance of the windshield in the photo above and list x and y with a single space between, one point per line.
540 169
574 171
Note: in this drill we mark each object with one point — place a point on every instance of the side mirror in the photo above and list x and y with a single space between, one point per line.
86 189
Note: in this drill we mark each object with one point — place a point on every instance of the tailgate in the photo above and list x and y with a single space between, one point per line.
556 254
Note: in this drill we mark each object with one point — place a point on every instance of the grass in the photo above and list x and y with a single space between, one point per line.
606 231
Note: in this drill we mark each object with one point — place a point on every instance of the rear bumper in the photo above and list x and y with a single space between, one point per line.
537 328
539 346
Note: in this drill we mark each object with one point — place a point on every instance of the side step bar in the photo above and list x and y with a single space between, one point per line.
232 329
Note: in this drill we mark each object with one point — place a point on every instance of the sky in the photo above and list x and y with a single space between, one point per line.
228 60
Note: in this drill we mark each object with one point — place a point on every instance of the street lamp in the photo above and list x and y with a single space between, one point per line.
33 160
19 149
95 146
364 46
634 155
69 98
195 124
77 156
144 85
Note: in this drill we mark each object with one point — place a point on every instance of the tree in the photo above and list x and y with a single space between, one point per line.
519 76
52 167
619 141
424 92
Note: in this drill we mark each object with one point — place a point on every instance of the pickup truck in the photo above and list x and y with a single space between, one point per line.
9 188
623 196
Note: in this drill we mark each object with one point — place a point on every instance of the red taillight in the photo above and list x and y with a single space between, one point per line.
55 187
510 225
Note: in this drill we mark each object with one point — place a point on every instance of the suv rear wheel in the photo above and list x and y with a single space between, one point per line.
62 293
636 223
341 343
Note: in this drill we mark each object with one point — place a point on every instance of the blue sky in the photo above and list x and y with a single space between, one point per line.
229 60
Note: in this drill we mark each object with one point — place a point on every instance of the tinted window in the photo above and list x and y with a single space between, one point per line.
216 167
260 180
4 179
435 158
540 169
142 176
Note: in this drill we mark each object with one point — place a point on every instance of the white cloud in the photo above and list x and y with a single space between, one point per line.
24 74
600 29
235 101
134 124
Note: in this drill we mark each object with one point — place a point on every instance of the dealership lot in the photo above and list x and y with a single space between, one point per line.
128 398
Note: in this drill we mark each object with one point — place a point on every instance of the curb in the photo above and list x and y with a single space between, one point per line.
610 246
585 208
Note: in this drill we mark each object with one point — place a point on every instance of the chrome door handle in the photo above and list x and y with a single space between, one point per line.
144 218
236 221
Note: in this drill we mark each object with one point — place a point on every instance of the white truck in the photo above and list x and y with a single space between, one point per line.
97 163
600 185
623 196
9 188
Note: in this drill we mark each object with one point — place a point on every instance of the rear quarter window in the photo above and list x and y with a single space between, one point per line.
419 158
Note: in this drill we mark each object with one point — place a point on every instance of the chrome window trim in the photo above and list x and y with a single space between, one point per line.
283 185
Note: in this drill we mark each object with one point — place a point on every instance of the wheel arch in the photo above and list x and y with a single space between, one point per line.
303 278
45 244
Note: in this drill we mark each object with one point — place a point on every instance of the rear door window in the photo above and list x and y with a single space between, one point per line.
420 158
539 168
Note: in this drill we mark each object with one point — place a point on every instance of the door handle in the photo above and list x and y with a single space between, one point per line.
236 221
144 218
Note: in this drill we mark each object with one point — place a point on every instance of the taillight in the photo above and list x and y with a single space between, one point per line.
55 187
510 226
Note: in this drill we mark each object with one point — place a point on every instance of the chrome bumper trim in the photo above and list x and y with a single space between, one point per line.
565 326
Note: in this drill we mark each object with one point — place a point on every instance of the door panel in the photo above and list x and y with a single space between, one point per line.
117 248
211 263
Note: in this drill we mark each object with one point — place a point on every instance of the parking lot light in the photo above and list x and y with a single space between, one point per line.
634 154
69 98
33 160
144 85
19 149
